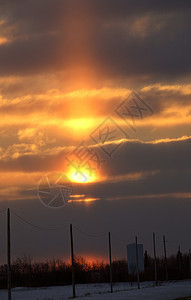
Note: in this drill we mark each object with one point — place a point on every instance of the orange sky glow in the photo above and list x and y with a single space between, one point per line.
100 98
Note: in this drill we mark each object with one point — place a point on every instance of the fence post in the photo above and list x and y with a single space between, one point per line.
110 263
72 260
137 263
155 259
165 258
8 255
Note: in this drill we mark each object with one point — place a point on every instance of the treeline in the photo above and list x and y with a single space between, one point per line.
26 273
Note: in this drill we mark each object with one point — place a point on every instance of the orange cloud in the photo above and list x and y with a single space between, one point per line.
3 40
184 89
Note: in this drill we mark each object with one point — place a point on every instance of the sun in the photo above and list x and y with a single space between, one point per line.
81 175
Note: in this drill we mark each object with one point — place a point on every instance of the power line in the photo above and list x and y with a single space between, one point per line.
122 240
88 234
55 229
37 226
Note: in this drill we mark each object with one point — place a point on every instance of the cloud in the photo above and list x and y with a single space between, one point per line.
162 166
138 172
34 135
58 109
123 39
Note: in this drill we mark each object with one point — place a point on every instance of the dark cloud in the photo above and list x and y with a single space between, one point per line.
160 100
164 168
60 35
138 157
47 13
131 157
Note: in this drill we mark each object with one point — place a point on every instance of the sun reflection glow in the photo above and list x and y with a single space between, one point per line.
81 124
84 200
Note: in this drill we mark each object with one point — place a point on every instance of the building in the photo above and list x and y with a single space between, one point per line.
132 260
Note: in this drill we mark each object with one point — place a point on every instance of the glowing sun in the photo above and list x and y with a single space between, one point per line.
81 175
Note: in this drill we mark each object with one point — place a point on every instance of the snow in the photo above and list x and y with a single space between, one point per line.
122 291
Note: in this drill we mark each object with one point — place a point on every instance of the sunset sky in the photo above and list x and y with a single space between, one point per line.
95 94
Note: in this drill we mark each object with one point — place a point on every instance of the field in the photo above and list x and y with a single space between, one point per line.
122 291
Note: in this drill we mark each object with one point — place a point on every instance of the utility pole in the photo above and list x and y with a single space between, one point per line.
111 281
72 260
8 255
137 263
155 259
165 258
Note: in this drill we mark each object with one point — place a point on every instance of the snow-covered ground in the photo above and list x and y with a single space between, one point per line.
122 291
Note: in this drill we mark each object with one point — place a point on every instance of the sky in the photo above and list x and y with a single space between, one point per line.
95 113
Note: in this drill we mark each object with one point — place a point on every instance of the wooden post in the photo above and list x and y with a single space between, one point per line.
155 259
8 255
165 258
189 261
72 260
137 263
111 281
179 260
